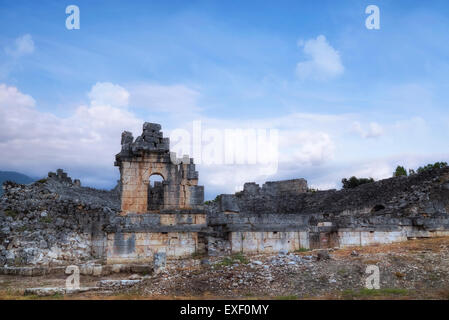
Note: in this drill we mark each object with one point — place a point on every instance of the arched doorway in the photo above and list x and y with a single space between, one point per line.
155 192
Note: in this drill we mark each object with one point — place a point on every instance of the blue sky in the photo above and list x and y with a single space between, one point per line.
347 100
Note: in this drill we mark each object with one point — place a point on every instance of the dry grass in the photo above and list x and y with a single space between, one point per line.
419 245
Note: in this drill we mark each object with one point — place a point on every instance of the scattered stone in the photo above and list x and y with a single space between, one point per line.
323 255
205 262
354 253
44 292
117 284
283 252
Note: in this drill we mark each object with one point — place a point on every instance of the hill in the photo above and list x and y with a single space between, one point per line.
13 176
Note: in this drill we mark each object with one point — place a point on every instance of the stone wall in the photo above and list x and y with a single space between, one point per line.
268 242
53 222
137 237
386 211
263 199
142 246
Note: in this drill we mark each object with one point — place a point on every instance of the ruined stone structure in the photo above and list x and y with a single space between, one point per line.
391 210
167 217
62 176
150 155
56 221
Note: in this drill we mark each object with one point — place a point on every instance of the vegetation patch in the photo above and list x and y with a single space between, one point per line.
11 213
47 219
302 250
197 255
354 182
235 258
217 198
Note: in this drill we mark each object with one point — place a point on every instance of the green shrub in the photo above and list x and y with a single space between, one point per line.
354 182
240 257
237 257
217 198
436 165
400 171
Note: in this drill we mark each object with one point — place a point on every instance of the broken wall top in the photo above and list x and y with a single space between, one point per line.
426 192
150 141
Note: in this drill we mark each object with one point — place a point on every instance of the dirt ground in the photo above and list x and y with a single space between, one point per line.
416 269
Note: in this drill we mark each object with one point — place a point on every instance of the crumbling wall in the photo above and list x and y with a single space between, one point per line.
53 222
149 154
265 199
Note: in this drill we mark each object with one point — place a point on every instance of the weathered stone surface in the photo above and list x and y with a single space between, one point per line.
160 260
149 155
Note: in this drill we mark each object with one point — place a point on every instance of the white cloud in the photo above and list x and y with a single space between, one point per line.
306 147
106 93
87 140
164 98
302 144
22 46
317 147
412 124
10 97
35 142
323 62
372 130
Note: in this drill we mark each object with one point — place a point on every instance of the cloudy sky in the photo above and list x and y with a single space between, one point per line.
344 99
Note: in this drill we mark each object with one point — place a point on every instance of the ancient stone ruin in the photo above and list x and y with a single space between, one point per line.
56 222
150 155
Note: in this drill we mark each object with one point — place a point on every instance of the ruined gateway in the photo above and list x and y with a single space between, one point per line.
58 222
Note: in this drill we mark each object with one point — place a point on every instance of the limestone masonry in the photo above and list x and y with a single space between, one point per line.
150 155
56 221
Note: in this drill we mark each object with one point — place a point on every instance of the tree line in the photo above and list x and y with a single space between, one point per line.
353 182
